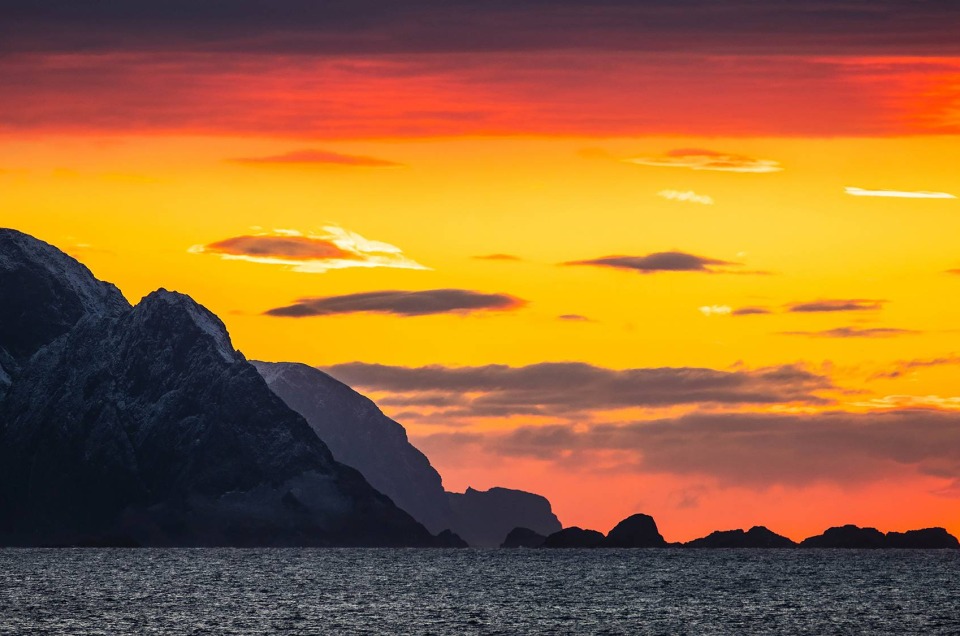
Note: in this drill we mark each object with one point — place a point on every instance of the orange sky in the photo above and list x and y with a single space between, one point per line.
767 346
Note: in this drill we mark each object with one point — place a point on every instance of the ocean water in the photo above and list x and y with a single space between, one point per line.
388 591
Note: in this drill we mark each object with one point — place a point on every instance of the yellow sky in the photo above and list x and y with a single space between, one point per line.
131 209
139 204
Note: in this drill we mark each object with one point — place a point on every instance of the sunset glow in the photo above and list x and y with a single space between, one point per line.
712 275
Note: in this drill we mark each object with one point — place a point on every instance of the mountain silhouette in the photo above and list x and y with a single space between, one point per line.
636 531
574 537
483 518
755 537
144 426
523 538
851 536
361 436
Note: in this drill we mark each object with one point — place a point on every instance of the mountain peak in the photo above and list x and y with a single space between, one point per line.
173 309
45 293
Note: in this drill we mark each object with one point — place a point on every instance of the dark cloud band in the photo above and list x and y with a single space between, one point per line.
401 303
571 387
659 262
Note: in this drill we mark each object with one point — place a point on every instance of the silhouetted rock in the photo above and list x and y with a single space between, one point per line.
636 531
143 426
925 539
45 293
483 518
574 537
848 536
361 436
755 537
523 538
450 539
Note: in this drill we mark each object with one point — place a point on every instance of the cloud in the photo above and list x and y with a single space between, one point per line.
498 257
902 367
900 194
751 448
715 310
336 248
567 388
660 262
463 26
836 305
685 195
200 88
701 159
954 271
574 318
855 332
750 311
318 157
913 402
400 303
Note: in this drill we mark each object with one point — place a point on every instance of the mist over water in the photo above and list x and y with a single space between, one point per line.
410 591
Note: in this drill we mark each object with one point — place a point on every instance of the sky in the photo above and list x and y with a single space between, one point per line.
687 258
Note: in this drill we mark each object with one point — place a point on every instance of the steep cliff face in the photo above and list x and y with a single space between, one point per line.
484 518
361 436
144 426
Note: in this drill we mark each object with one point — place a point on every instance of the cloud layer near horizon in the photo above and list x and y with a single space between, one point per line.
752 449
400 303
336 248
565 388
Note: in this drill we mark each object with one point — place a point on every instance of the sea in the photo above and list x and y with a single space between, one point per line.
472 591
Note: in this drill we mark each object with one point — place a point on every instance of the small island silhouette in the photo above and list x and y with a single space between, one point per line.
640 531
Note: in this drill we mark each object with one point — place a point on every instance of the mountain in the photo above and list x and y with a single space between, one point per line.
755 537
927 539
848 536
636 531
851 536
483 518
35 275
574 537
361 436
143 426
523 538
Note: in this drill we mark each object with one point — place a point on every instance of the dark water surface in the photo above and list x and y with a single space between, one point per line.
317 591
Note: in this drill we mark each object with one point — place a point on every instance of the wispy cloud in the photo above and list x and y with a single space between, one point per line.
335 248
903 367
855 332
685 195
899 194
661 262
836 305
702 159
715 310
318 157
400 303
913 402
751 311
574 318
